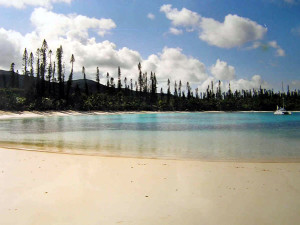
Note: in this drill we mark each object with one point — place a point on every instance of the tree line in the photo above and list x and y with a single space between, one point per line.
44 85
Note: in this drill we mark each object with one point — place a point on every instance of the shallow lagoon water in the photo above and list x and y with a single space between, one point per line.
200 136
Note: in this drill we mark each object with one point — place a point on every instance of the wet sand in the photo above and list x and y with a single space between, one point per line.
50 188
33 114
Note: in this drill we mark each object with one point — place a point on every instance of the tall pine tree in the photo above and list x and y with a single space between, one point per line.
98 79
69 83
59 57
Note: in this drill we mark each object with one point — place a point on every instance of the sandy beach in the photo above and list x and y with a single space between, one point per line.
50 188
33 114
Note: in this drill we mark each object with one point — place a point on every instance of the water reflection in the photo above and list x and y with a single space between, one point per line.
192 135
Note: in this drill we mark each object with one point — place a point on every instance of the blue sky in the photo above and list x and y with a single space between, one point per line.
247 43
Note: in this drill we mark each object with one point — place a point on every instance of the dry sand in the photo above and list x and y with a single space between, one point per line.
47 188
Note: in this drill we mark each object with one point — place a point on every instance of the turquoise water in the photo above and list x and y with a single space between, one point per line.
204 136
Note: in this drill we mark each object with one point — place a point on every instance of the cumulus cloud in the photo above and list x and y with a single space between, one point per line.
279 50
151 16
235 31
175 31
172 63
222 71
72 32
184 17
226 74
37 3
255 82
10 46
53 25
266 46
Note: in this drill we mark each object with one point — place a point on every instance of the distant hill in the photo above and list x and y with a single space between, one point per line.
5 77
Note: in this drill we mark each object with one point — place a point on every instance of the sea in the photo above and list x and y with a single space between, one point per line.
220 136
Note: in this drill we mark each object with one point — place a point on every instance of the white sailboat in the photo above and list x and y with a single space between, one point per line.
282 110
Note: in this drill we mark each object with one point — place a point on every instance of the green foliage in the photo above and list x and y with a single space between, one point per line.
37 93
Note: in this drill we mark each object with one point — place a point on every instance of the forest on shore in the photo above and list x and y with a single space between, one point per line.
44 84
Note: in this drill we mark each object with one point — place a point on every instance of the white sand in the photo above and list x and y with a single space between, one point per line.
31 114
45 188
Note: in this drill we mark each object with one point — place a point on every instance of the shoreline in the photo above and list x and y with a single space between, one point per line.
40 188
34 114
81 153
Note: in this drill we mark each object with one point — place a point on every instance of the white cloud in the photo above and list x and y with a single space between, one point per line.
255 82
37 3
151 16
10 44
271 44
295 84
172 63
72 32
53 25
175 31
279 50
235 31
222 71
184 17
296 31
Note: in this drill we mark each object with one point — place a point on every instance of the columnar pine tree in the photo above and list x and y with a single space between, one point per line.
69 83
98 79
155 82
169 88
219 91
43 52
12 75
153 86
59 57
25 62
17 80
188 88
107 77
49 71
175 89
25 69
197 93
86 88
53 79
125 83
119 79
179 88
38 69
140 79
145 82
112 83
31 62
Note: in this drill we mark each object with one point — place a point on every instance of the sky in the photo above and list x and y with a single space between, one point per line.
247 43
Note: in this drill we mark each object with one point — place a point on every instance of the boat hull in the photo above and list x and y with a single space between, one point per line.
282 113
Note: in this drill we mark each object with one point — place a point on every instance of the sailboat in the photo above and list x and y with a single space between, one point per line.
282 110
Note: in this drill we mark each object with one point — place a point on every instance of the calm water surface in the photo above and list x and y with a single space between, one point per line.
205 136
